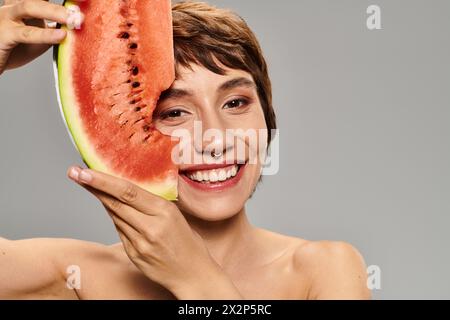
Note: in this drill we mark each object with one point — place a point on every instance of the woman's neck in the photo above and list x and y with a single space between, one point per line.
228 241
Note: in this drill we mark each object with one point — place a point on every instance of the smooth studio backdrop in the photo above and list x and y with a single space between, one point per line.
364 128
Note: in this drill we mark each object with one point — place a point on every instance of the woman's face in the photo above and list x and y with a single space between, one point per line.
201 98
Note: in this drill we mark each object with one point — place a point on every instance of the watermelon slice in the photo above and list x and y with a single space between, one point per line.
109 76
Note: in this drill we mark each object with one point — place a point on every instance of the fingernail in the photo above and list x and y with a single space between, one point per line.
51 24
75 17
73 174
85 176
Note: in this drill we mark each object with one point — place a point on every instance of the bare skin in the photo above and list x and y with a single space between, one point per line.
295 269
202 247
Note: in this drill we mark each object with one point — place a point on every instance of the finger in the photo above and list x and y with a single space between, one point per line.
125 191
128 246
127 243
39 9
6 2
35 35
17 1
133 241
128 231
120 210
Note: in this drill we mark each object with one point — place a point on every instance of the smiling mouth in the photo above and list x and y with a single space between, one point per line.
214 179
214 175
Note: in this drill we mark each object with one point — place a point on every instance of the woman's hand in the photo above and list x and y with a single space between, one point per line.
157 237
23 32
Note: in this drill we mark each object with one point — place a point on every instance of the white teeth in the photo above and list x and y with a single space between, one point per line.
222 175
234 171
214 175
198 176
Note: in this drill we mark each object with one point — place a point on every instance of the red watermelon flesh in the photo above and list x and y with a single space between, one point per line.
111 73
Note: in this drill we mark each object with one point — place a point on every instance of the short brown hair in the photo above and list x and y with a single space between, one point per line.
203 32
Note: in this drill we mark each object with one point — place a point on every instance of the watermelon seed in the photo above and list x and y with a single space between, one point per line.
136 100
124 11
137 109
133 46
124 124
146 128
136 84
129 24
125 35
139 120
135 71
136 93
128 81
147 137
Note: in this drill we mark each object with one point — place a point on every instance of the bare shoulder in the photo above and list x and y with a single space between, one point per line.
336 269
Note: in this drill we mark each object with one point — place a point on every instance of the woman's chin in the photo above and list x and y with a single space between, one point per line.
212 208
219 200
215 216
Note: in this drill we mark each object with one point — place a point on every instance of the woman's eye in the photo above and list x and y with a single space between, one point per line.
236 103
171 114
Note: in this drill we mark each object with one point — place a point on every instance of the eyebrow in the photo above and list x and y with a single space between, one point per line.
236 83
173 93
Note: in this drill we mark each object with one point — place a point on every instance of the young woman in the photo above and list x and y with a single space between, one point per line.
202 246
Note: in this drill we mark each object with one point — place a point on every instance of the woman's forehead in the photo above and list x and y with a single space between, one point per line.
195 74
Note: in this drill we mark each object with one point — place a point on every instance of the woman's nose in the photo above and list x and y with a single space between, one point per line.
213 142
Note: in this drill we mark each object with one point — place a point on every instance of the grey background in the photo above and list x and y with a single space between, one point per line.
365 140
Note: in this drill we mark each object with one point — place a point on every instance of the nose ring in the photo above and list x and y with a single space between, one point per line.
216 155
